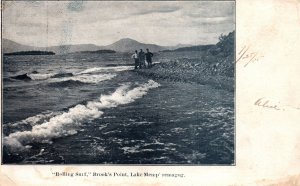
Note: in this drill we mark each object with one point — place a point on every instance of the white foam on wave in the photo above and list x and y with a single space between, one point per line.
81 75
34 120
86 78
41 76
67 123
104 69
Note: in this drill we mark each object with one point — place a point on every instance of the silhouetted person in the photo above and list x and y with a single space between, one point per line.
142 58
149 56
135 56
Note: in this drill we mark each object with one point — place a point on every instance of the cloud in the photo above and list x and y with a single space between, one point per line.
38 25
211 9
46 23
160 9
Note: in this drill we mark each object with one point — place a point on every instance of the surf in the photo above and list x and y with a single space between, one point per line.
104 69
65 78
68 122
39 76
90 75
84 78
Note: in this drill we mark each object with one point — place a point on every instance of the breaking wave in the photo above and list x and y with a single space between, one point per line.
66 123
23 77
38 76
84 78
33 76
105 69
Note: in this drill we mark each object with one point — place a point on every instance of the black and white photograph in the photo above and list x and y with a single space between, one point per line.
118 82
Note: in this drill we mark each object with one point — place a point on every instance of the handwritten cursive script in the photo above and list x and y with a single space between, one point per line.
265 103
247 56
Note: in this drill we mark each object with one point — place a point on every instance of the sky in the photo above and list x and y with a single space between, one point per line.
168 23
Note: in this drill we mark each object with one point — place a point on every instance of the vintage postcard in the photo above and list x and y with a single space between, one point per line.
150 92
118 82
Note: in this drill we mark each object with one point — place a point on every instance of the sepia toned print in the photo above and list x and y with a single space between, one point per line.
126 82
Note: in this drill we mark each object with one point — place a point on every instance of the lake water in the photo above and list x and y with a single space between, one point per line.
96 109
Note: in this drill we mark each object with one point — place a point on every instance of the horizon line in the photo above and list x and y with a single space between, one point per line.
107 44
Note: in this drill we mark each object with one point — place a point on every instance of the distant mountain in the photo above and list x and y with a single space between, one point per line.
35 52
130 45
177 46
9 46
123 45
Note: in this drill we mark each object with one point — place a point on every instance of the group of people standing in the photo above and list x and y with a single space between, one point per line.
141 57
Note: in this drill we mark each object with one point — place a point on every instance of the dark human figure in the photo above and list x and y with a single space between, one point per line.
135 56
142 58
149 56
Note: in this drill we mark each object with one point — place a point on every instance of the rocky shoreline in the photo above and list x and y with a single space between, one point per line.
166 71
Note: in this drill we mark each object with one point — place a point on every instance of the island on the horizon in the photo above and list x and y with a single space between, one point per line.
190 48
30 53
97 52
